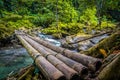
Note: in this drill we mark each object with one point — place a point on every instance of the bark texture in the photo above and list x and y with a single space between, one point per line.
111 71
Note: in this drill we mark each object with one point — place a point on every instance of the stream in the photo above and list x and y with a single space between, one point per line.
13 59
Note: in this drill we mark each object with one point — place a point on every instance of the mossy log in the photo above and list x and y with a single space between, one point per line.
107 45
111 71
90 37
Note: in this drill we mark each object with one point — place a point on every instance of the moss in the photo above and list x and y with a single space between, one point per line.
63 29
107 44
27 75
11 22
4 31
35 77
111 71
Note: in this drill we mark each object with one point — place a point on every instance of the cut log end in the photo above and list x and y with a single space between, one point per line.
75 77
84 72
61 78
58 76
98 64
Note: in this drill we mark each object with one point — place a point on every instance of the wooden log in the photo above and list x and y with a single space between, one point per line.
92 63
111 71
107 44
81 69
67 71
108 60
47 68
91 37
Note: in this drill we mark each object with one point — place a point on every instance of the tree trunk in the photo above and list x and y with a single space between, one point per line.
111 71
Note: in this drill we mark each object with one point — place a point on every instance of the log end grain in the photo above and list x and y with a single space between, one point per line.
75 77
98 64
84 72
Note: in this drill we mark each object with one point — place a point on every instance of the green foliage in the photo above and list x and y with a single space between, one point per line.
107 24
20 23
64 29
67 13
44 20
5 31
63 18
11 22
23 11
89 17
1 4
13 18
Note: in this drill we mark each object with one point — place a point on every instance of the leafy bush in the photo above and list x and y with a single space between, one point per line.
71 15
12 17
107 24
88 17
66 12
23 11
9 23
44 20
5 31
63 28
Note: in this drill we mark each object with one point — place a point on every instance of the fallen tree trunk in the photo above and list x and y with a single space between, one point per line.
107 44
91 62
47 68
111 71
90 37
67 71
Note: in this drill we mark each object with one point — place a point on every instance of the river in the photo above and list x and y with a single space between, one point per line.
12 59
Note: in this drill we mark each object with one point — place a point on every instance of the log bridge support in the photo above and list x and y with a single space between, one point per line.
57 63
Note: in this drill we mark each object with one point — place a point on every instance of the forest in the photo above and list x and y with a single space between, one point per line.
66 17
59 39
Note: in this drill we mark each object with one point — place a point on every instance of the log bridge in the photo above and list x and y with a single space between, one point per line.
57 63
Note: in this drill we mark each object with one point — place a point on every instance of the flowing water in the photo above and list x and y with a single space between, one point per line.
11 60
49 38
85 45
